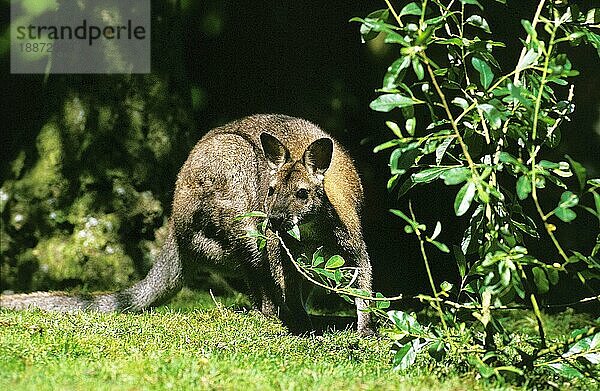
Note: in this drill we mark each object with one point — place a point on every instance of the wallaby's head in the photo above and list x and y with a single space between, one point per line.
296 193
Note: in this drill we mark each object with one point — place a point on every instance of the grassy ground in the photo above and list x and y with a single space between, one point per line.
202 348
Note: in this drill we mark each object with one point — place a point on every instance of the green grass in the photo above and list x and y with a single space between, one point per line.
182 347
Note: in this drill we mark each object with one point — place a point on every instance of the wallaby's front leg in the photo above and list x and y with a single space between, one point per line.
286 296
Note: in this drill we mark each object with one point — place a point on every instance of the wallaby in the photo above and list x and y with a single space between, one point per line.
286 167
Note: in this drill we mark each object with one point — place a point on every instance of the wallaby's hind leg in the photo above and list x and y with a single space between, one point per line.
356 250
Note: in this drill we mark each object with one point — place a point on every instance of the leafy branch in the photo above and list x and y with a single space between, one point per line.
485 127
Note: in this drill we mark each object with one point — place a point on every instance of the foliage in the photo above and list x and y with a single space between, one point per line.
487 133
70 203
81 202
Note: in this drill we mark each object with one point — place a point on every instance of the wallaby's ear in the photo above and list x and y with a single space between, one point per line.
317 156
275 152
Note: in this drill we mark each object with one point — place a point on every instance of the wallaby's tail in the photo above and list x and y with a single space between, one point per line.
163 281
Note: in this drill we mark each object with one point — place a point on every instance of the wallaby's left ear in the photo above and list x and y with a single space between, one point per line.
317 156
275 152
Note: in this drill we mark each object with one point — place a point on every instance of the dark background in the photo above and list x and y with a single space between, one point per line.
222 60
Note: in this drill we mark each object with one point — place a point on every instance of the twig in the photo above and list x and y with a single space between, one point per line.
217 304
343 291
438 307
396 16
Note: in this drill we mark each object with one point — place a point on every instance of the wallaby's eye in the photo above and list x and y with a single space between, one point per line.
302 194
271 191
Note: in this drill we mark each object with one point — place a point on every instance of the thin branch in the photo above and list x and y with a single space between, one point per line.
438 307
534 22
343 291
396 16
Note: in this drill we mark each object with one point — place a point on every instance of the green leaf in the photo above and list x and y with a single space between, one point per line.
418 68
450 41
437 350
472 2
506 157
485 72
463 198
317 258
395 128
334 262
404 217
388 102
325 273
579 170
456 175
565 214
540 279
294 232
437 230
406 355
374 24
516 93
359 292
445 286
492 114
255 234
392 182
461 260
386 145
401 159
405 322
441 246
529 29
592 37
395 72
410 9
553 276
565 370
597 203
568 200
411 124
428 175
252 214
594 182
393 37
440 151
479 21
382 305
585 344
523 187
484 370
548 164
528 59
337 276
460 102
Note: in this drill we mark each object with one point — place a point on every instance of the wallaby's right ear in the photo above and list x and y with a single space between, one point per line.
275 152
